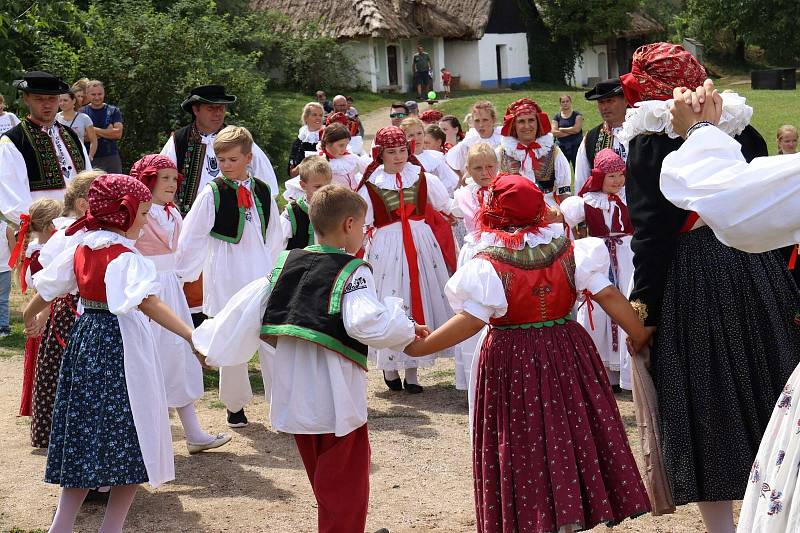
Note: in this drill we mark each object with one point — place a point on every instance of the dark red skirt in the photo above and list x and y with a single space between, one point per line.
28 371
549 445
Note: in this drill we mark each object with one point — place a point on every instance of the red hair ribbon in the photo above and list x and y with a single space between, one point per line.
24 224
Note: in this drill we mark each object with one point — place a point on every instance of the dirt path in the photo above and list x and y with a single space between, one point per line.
374 121
421 474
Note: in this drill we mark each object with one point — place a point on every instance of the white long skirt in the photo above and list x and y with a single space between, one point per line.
183 376
386 255
769 505
617 362
468 349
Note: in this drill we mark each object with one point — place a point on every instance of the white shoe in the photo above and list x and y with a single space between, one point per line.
219 440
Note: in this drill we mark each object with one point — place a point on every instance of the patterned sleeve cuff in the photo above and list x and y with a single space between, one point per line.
640 308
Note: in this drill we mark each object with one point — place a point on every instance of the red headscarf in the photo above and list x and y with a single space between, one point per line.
114 200
512 207
146 169
525 106
341 118
605 162
431 116
388 137
657 69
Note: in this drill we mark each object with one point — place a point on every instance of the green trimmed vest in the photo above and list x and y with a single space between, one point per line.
302 232
229 218
308 286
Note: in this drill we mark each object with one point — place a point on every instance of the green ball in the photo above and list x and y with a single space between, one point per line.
432 95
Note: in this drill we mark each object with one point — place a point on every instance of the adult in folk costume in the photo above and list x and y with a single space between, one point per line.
528 149
38 156
722 320
612 106
191 148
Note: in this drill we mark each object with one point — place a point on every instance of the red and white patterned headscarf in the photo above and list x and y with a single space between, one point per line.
657 69
146 169
388 137
524 106
114 200
605 162
431 116
341 118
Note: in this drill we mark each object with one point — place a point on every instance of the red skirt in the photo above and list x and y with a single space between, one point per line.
28 371
549 446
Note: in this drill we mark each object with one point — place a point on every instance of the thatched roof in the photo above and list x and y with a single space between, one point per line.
641 25
393 19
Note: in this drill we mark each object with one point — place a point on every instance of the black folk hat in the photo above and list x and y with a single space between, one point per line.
207 94
605 89
39 82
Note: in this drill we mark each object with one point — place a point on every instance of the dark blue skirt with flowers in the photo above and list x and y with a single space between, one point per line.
93 441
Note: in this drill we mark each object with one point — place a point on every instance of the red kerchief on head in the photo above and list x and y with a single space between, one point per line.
146 169
605 162
525 106
512 207
657 69
339 117
114 200
431 116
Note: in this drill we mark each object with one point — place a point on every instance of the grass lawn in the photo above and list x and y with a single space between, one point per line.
771 108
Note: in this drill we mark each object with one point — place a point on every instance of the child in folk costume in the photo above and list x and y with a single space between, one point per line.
600 206
434 138
183 376
529 149
321 308
315 173
62 316
401 247
34 231
231 235
451 127
481 170
482 120
110 422
549 446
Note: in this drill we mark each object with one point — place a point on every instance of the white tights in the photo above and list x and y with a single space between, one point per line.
119 502
717 516
410 375
191 425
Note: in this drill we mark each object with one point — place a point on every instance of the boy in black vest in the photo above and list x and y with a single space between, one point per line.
232 236
315 173
321 310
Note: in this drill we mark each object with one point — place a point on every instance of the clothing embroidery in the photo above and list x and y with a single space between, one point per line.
192 168
355 285
54 164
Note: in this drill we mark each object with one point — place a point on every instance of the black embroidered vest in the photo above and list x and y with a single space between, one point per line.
597 139
308 286
302 232
190 154
229 218
39 152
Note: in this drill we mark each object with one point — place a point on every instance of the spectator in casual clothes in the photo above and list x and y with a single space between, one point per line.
413 108
352 114
397 113
340 105
322 98
7 119
568 128
446 79
107 120
422 71
79 88
7 243
787 139
80 123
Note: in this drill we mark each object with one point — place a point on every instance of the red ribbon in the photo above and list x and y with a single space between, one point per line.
23 274
404 212
243 197
587 301
529 152
24 224
793 257
166 209
691 220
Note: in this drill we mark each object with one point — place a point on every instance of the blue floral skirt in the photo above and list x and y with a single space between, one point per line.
93 441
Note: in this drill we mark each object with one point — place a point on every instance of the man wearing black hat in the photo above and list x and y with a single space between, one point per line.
612 106
38 156
191 148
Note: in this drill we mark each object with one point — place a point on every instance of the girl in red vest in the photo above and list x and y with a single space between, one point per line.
549 446
406 258
600 205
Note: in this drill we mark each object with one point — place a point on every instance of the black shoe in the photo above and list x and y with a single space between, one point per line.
237 419
412 388
394 384
95 496
382 530
616 389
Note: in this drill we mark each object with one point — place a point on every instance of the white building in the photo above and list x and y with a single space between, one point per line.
612 57
482 42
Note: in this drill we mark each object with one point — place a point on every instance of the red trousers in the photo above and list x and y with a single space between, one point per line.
338 469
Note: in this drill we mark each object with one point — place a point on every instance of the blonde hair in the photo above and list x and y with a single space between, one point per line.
314 165
231 137
42 212
410 122
307 110
331 205
485 105
561 96
468 120
79 188
783 130
479 150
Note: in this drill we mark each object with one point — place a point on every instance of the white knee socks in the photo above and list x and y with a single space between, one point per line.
191 425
